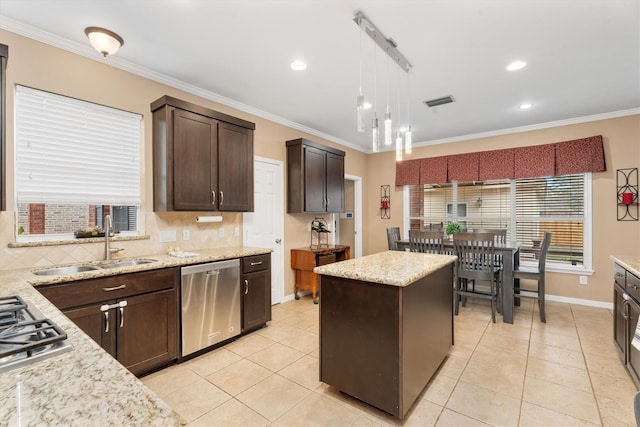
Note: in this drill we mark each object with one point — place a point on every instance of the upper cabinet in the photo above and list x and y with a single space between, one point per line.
315 178
202 159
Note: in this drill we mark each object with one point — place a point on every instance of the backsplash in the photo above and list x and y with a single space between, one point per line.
201 236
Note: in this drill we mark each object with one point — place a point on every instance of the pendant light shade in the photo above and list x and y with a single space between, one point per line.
104 41
360 112
375 135
398 147
387 127
408 140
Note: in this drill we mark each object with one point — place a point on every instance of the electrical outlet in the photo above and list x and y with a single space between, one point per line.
167 236
221 232
583 280
236 232
185 234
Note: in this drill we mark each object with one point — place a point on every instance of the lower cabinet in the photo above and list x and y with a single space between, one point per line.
134 317
625 320
256 291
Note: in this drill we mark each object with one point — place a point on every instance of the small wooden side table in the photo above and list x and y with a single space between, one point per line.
304 260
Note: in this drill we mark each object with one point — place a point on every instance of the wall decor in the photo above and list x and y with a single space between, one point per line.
385 202
627 194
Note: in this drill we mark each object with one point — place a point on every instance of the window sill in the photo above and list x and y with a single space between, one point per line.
74 241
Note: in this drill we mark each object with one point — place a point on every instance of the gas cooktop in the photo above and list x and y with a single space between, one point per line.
26 336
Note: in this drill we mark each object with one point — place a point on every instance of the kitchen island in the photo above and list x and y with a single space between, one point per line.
85 386
386 325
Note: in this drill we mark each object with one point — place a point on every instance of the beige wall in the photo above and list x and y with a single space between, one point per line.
43 67
622 150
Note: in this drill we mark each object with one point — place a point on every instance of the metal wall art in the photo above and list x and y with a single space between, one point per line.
627 197
385 202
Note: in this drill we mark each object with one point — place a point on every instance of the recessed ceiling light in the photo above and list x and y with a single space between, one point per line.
525 106
516 65
298 65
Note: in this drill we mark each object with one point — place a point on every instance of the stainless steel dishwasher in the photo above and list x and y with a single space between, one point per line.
210 295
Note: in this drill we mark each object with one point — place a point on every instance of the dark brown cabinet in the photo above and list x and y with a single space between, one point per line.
256 291
626 314
202 159
134 317
315 177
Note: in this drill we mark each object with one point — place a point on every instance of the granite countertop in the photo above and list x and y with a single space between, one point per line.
393 268
85 386
629 262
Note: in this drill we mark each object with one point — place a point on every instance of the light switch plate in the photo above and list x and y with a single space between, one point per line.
583 280
236 231
167 236
185 234
221 232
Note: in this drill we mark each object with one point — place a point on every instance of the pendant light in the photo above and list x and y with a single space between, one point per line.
375 131
408 137
360 99
387 116
398 135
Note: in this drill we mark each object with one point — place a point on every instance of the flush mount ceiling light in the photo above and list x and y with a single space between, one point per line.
516 65
104 41
298 65
525 106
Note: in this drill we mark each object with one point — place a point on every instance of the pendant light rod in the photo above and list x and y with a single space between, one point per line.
388 45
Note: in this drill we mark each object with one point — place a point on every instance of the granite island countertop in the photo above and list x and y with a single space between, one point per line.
393 268
629 262
86 386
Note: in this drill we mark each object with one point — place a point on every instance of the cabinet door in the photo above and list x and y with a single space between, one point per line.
633 356
194 161
335 183
314 180
147 331
256 299
99 325
619 322
235 170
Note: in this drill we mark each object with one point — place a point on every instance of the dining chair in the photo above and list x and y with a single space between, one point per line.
476 262
393 235
425 241
534 273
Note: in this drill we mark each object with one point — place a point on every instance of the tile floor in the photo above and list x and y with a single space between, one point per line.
563 373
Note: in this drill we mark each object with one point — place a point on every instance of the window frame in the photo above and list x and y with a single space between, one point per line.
585 269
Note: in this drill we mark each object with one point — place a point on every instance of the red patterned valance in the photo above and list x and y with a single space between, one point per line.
497 164
535 161
561 158
433 170
408 172
463 167
579 156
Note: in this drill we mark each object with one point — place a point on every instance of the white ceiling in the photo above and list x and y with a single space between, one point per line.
583 57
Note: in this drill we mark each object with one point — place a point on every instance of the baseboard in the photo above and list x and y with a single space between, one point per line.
578 301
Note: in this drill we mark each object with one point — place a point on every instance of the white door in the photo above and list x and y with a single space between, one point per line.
264 226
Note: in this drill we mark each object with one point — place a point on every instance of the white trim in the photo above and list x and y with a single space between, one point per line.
85 50
579 301
357 213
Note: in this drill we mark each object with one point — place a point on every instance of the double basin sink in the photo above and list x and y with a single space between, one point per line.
71 269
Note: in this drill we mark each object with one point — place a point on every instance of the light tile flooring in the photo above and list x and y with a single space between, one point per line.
562 373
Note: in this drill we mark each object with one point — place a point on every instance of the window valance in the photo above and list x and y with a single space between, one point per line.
560 158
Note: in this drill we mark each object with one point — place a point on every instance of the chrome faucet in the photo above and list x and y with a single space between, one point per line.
108 225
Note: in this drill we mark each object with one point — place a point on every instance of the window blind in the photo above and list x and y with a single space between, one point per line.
73 151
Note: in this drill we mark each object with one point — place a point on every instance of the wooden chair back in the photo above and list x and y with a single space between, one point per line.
425 241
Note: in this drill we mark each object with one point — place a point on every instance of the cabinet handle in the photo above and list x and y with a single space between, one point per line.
213 197
246 286
256 263
105 310
115 288
122 305
221 198
634 286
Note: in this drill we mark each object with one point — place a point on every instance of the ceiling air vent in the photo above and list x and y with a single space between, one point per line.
439 101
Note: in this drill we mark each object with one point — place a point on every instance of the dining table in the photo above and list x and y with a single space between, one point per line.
511 260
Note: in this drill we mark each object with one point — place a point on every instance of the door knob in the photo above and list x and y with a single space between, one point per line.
278 241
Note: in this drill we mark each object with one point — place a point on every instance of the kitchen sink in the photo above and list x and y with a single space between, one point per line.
130 263
65 270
